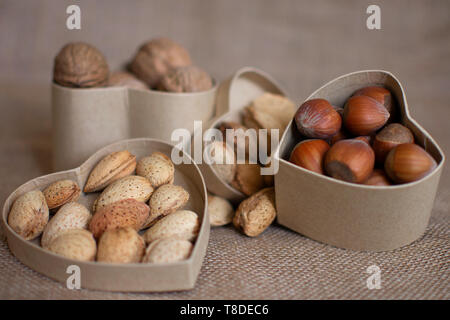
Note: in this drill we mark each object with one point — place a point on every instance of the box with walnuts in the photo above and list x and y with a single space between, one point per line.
356 171
160 90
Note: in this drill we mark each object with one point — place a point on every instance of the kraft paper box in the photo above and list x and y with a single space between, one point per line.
233 96
85 120
349 215
147 277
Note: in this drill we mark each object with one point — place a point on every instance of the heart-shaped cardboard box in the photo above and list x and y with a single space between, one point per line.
349 215
233 96
85 120
118 277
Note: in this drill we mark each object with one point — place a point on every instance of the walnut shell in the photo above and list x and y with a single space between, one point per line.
80 65
157 57
185 79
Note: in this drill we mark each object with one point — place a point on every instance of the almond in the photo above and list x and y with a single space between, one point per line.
120 214
131 187
256 213
248 178
70 216
183 224
278 106
166 200
29 215
167 250
123 245
77 244
61 192
111 168
157 168
220 211
223 160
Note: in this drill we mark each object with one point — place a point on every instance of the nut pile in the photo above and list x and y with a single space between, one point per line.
159 64
258 211
361 142
136 218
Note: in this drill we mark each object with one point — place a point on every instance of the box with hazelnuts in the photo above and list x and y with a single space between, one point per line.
356 171
161 89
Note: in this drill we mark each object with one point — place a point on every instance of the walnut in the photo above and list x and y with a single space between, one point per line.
157 57
186 79
80 65
125 79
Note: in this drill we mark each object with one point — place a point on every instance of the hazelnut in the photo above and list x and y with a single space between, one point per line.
80 65
156 58
378 178
185 79
382 95
317 118
350 160
390 137
341 135
309 154
364 115
126 79
408 162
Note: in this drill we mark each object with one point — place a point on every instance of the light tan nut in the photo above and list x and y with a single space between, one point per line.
126 79
256 213
223 160
120 214
165 200
123 245
248 178
156 58
220 211
131 187
80 65
61 192
167 250
70 216
77 244
278 106
157 168
186 79
183 224
111 168
29 215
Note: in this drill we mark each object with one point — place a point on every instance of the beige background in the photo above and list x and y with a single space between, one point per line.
303 44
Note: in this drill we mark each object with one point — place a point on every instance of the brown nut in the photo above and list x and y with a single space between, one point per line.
77 244
309 154
382 95
350 160
80 65
242 140
388 138
120 214
408 162
111 168
167 250
256 214
165 200
122 245
248 178
186 79
157 168
126 79
317 118
156 58
72 215
29 215
220 211
61 192
364 115
378 178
